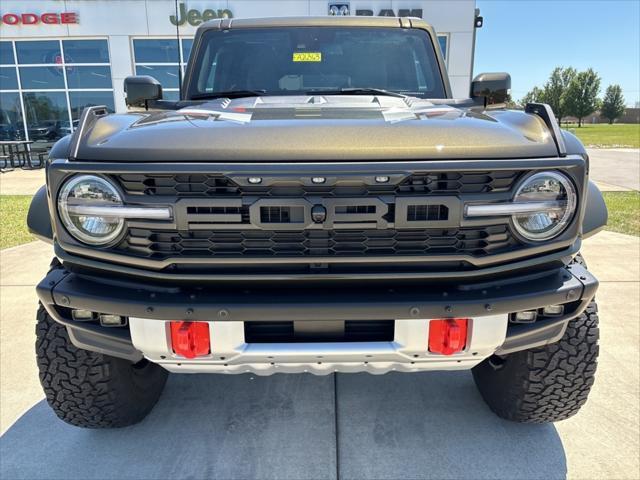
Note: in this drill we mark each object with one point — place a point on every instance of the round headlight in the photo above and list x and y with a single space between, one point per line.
558 204
89 190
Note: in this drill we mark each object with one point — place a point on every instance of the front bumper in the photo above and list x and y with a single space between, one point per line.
61 291
408 351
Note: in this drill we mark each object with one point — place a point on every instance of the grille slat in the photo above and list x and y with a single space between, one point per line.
217 185
207 243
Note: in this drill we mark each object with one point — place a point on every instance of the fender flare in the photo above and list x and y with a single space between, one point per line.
39 218
595 212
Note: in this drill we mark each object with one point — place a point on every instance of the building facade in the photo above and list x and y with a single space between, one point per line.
57 57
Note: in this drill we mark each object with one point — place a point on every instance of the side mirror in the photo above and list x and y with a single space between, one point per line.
491 88
141 89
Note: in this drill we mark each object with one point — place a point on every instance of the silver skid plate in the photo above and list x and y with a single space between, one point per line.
408 352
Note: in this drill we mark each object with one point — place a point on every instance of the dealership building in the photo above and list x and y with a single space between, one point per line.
58 57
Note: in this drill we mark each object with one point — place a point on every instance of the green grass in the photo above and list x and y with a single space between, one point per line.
13 220
603 135
624 212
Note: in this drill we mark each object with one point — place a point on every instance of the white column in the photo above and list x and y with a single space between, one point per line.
121 67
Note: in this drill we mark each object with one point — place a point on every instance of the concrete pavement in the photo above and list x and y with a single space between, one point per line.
21 182
432 425
616 168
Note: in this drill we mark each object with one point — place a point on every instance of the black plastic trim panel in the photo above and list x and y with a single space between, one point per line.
310 303
62 290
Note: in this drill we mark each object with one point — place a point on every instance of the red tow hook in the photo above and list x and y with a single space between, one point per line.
448 335
190 339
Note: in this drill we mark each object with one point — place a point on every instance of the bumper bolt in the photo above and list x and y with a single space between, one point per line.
571 294
149 309
414 312
448 309
488 307
223 313
189 311
64 300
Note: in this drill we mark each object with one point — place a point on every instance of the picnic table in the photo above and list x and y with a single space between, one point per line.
17 153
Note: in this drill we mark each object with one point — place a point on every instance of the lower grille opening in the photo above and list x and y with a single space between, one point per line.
317 331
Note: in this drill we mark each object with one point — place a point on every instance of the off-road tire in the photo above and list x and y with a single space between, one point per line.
544 384
89 389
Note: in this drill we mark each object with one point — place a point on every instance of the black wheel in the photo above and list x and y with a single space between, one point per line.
89 389
544 384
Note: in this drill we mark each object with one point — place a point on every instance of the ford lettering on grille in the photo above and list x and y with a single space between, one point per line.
318 213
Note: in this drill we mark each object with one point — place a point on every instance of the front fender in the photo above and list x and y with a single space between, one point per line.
595 212
39 218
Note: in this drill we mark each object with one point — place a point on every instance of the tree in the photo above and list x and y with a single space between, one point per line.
581 98
510 103
613 103
555 89
535 95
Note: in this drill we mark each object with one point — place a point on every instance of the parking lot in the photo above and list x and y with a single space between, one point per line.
432 425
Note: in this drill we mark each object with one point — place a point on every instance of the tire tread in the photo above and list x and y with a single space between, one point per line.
89 389
545 384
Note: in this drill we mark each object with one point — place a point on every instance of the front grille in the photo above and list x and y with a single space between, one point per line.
419 183
349 331
283 215
161 244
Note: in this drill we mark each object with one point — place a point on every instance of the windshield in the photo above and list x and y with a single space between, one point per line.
307 60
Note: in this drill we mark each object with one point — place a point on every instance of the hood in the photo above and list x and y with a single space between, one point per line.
316 128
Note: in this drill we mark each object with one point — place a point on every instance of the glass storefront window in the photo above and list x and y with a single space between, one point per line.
38 52
8 78
80 100
46 112
42 78
53 82
187 44
89 77
171 95
160 58
156 50
443 40
167 75
85 51
11 122
6 54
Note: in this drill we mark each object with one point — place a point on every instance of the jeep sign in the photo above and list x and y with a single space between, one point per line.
195 17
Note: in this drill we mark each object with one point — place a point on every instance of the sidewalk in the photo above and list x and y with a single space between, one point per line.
21 182
348 426
616 169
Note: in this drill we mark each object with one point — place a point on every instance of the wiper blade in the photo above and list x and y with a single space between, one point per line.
230 94
356 91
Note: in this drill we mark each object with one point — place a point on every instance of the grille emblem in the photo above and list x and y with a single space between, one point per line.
318 214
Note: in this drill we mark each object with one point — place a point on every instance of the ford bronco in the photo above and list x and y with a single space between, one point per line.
316 201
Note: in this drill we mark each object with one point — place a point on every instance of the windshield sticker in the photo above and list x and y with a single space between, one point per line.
307 56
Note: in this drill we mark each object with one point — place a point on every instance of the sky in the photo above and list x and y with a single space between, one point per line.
528 39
